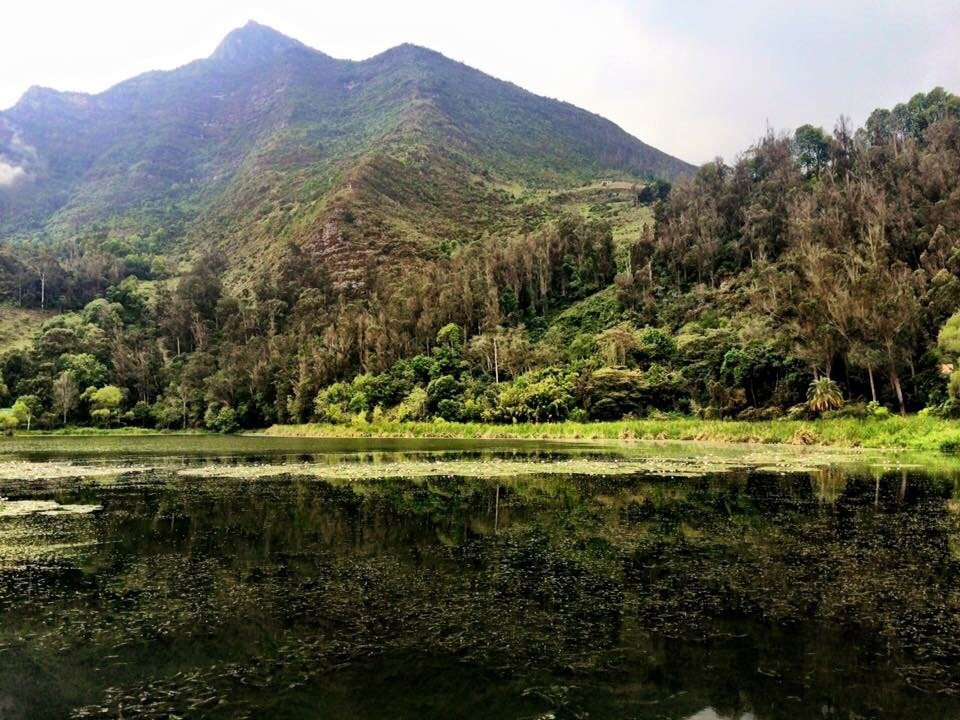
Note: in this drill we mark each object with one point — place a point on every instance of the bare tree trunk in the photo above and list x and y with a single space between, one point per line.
895 381
496 361
873 388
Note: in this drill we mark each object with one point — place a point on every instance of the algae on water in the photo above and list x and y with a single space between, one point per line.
16 508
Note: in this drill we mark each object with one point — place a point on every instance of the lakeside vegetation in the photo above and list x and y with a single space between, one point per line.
816 277
910 433
919 433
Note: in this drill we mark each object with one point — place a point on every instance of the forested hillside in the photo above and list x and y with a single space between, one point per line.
269 144
818 270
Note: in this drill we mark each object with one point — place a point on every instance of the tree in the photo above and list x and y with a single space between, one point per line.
84 367
8 422
824 394
616 344
105 402
948 341
222 419
26 408
538 396
443 388
812 148
65 394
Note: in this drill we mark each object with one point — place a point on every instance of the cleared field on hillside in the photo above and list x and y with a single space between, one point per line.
17 325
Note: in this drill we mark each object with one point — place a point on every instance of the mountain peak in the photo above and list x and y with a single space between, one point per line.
254 43
37 97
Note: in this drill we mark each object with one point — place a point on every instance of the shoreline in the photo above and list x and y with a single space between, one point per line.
913 433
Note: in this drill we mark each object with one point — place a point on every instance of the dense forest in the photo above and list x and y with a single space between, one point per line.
820 272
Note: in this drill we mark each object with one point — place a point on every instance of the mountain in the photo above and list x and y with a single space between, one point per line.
269 142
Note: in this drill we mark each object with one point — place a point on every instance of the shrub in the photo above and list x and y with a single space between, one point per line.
331 403
141 415
951 445
612 393
424 368
450 409
443 388
413 407
537 396
8 422
221 419
824 394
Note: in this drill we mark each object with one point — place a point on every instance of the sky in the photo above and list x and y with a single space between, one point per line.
695 79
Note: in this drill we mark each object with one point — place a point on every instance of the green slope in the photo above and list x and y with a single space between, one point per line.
268 142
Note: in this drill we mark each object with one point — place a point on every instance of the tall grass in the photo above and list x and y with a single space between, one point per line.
911 433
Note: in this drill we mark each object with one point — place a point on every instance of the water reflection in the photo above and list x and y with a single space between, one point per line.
710 714
747 594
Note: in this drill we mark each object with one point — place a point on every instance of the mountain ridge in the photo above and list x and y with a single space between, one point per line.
266 140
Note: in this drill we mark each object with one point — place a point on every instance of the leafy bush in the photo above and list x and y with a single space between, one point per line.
538 396
445 387
824 394
221 419
951 445
450 409
613 393
412 408
8 422
331 403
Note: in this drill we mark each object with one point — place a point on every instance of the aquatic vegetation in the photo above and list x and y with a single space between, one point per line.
584 582
652 464
22 470
14 508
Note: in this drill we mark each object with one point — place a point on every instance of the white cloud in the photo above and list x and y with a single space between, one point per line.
693 78
9 174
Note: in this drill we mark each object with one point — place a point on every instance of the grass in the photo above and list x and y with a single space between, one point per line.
18 326
911 433
86 430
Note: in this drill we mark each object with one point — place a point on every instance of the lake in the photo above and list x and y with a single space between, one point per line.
250 577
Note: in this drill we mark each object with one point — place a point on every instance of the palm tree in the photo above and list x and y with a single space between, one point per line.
824 394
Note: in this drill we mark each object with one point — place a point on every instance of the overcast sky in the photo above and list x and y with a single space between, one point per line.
696 79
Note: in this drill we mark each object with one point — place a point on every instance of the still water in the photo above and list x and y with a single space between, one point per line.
256 578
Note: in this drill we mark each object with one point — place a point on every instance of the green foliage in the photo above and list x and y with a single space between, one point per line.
812 147
472 296
84 367
614 393
450 409
109 398
331 403
824 394
221 419
445 387
128 296
8 421
26 409
450 337
537 396
412 408
950 446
